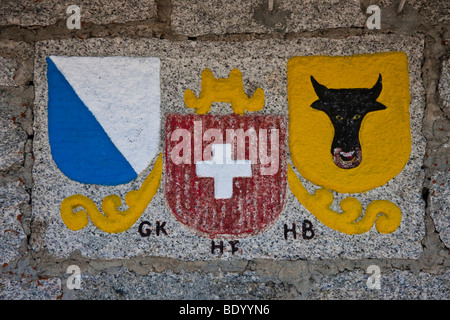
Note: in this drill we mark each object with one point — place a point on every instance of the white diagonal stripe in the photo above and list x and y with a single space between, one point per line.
123 93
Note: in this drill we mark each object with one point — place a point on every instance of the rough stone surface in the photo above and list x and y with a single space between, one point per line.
252 16
434 12
30 289
16 59
167 285
444 83
440 204
8 68
414 14
12 196
394 285
180 69
15 108
12 142
47 12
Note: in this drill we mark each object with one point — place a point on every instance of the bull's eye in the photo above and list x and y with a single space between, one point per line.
356 116
339 118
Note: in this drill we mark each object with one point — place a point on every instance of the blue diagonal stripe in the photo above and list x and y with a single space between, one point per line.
79 145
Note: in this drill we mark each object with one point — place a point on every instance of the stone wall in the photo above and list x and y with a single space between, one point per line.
190 36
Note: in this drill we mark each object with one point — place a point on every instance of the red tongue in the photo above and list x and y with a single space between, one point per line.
347 158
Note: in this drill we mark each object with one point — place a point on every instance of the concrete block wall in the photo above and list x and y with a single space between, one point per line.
31 267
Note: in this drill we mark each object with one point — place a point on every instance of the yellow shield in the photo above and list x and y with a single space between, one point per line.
384 135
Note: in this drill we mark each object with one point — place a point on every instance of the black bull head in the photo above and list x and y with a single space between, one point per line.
346 109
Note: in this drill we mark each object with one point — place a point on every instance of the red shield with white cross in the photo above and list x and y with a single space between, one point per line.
225 175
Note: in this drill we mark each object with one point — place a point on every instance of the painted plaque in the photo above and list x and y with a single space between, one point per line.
254 159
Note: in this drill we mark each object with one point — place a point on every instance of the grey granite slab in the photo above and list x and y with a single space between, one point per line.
429 12
120 283
394 285
30 288
48 12
444 83
415 14
8 68
195 18
12 143
16 59
12 196
15 110
440 204
439 195
263 64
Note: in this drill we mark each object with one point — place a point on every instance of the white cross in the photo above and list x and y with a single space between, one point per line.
223 170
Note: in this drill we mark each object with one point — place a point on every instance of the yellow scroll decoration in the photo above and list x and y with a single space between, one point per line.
383 213
113 220
230 90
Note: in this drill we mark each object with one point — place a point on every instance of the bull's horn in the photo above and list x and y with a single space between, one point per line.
321 90
375 91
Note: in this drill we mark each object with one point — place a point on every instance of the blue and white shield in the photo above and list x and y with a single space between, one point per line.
103 116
